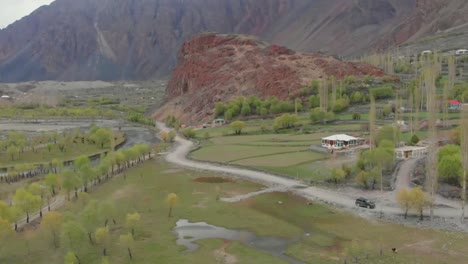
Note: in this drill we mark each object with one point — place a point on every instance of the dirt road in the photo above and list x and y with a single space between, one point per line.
343 199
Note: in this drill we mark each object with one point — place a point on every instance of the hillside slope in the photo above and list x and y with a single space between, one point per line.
219 67
124 39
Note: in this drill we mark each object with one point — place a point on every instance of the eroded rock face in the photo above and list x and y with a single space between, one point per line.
139 39
218 67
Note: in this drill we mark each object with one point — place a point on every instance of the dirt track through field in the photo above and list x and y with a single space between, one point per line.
343 199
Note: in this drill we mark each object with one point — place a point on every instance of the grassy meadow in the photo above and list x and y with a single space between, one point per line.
321 234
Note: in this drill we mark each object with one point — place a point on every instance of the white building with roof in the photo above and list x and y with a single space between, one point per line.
410 152
342 141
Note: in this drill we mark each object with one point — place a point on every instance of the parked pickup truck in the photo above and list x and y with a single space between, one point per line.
363 202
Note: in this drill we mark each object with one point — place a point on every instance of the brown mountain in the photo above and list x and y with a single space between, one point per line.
139 39
218 67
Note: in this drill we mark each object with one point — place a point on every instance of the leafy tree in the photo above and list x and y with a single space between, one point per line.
220 108
237 126
102 136
26 202
387 133
102 238
419 201
356 97
70 258
70 181
414 139
317 115
132 221
49 147
13 151
404 200
450 169
6 212
337 175
73 237
52 182
362 178
286 121
126 241
52 222
340 105
245 110
171 200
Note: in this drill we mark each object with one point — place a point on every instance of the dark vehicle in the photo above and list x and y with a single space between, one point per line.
363 202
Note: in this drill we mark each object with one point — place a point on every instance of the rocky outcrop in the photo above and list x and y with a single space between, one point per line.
218 67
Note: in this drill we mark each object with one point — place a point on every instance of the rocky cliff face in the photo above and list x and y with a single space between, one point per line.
218 67
129 39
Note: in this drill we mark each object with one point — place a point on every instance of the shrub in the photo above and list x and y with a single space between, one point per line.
414 139
340 105
382 92
188 133
286 121
356 116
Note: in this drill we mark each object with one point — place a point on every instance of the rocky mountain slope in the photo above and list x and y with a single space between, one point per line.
127 39
219 67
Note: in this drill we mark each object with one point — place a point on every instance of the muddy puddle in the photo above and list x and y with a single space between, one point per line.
188 233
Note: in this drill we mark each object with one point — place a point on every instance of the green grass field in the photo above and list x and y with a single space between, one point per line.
329 240
285 154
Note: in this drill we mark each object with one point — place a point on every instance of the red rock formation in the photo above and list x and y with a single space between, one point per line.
219 67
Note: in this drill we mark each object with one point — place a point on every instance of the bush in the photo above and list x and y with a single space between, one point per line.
382 92
414 139
286 121
356 116
340 105
188 133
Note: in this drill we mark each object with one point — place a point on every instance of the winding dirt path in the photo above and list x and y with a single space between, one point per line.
343 199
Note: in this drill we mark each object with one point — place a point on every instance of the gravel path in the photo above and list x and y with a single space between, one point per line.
340 198
241 197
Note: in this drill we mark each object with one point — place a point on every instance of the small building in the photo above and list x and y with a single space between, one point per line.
342 141
455 105
5 97
410 152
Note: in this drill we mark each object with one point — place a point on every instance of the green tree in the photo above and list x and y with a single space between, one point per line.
245 110
102 136
126 241
13 151
52 223
6 213
26 202
404 200
171 200
419 201
362 178
74 237
286 121
90 218
102 238
414 139
220 108
70 258
450 169
337 175
237 126
132 221
70 181
51 180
